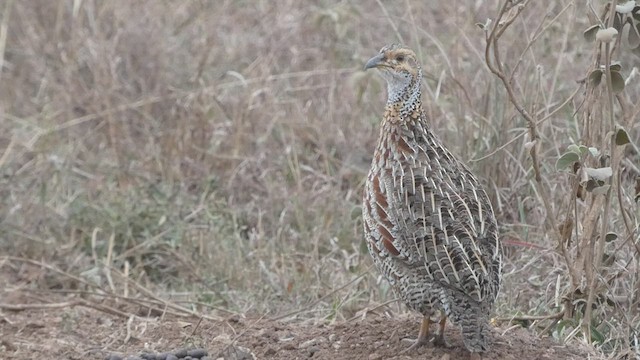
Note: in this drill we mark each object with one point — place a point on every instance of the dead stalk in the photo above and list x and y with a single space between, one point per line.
507 15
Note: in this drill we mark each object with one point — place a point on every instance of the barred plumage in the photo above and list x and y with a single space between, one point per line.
428 222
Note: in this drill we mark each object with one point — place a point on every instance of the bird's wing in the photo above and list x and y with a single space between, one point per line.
443 221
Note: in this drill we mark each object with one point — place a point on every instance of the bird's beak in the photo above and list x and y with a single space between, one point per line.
374 61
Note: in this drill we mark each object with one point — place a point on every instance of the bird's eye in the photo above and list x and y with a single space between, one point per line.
400 58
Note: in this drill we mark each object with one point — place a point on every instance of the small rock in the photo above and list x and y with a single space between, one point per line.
197 353
286 338
375 356
332 337
148 356
311 342
312 350
180 353
307 343
113 357
162 356
171 357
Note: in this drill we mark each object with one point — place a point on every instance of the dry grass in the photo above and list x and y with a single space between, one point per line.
218 148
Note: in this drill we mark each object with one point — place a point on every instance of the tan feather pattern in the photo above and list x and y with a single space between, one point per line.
428 222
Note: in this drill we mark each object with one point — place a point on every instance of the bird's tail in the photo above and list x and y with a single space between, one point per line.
474 333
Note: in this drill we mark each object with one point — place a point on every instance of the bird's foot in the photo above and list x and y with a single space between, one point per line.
423 336
415 343
439 341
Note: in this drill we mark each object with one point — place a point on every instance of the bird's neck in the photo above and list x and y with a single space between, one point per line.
404 112
404 104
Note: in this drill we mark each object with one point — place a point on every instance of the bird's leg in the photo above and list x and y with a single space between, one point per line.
438 340
423 335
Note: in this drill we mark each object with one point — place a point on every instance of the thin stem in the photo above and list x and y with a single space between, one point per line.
600 242
495 67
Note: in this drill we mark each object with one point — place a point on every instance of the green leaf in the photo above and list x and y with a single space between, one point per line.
615 66
596 336
608 35
622 137
593 184
567 159
617 22
590 33
562 325
575 148
636 51
625 8
633 35
610 237
601 190
617 81
486 26
595 77
600 173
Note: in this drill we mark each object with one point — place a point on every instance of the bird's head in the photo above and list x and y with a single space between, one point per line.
399 66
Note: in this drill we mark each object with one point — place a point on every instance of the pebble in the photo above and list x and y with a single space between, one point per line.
180 354
307 343
197 353
311 342
313 350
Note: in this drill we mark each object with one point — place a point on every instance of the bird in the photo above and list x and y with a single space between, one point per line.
428 222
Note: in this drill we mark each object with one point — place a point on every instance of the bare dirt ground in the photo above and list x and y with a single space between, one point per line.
72 328
80 333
